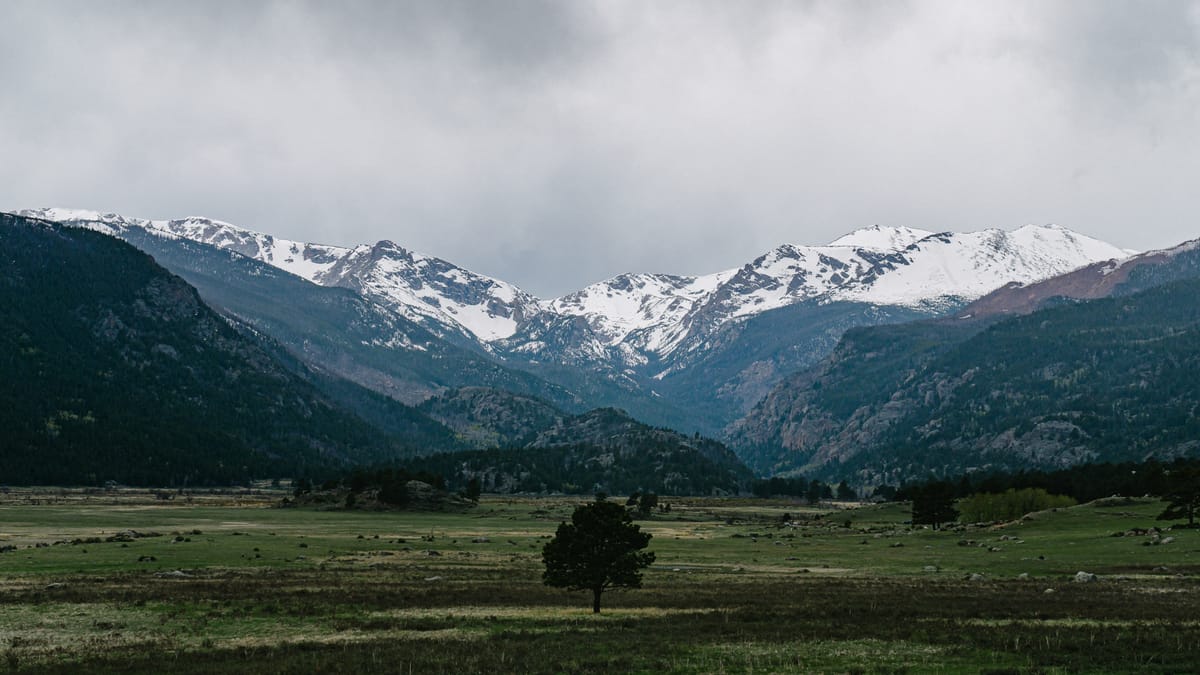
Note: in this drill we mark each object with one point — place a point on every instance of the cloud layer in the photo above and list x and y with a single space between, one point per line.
553 144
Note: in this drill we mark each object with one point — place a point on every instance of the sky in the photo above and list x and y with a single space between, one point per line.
555 144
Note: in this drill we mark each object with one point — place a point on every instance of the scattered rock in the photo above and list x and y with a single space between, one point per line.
1084 577
480 540
930 568
1048 591
174 574
976 576
1023 576
433 578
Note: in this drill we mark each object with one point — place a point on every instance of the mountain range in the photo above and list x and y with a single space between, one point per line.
888 355
116 369
689 352
1095 365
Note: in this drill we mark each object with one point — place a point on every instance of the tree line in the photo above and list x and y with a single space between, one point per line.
1006 496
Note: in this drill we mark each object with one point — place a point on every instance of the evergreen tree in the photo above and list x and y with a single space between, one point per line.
647 504
1183 495
599 549
845 493
474 489
813 495
933 504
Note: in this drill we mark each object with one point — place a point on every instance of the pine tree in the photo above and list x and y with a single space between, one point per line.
599 549
1183 495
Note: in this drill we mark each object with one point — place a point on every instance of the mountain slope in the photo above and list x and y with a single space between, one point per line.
450 301
114 369
493 418
336 330
689 352
1097 380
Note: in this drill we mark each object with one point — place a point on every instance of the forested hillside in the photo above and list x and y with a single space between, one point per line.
113 369
1105 380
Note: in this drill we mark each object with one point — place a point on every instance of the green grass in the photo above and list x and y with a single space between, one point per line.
734 589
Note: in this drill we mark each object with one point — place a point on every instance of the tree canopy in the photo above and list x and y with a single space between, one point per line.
600 548
1183 495
933 504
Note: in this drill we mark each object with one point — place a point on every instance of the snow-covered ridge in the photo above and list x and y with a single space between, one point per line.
429 290
883 238
877 265
650 315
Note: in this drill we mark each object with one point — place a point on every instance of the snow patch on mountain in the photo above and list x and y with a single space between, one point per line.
969 265
882 238
652 303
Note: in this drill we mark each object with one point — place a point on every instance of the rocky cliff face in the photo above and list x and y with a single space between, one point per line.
1001 386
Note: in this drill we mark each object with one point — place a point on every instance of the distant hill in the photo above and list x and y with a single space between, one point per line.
605 450
491 418
113 369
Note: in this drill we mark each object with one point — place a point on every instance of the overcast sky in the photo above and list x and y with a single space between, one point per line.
555 144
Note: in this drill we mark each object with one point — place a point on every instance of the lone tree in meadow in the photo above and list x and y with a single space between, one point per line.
933 504
474 489
600 548
1183 495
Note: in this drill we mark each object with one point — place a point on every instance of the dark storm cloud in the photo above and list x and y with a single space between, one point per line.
556 143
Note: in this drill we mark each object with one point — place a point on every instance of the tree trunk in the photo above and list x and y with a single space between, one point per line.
596 600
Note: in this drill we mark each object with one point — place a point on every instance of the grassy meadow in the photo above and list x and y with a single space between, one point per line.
232 584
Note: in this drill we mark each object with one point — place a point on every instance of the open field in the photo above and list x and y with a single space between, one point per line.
232 585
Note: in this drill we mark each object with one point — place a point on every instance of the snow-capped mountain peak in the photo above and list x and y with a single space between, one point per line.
968 265
882 238
634 318
436 293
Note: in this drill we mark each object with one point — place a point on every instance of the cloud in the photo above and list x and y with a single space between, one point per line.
554 144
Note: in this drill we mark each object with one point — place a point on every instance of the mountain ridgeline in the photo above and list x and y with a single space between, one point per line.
887 355
116 369
113 368
1009 385
687 352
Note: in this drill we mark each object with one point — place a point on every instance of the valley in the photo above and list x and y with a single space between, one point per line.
600 336
220 581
